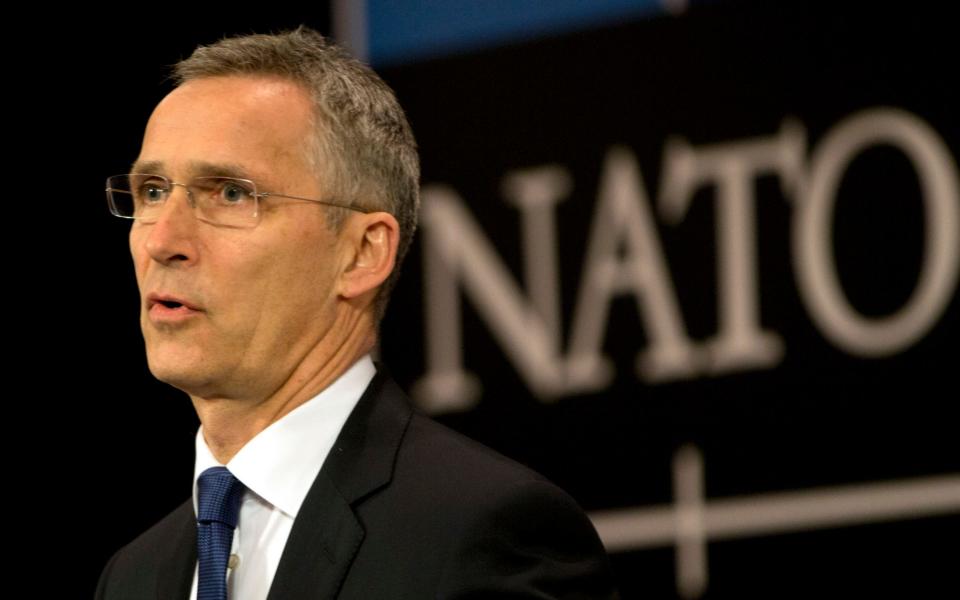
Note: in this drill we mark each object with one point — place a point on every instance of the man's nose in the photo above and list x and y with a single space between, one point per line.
171 238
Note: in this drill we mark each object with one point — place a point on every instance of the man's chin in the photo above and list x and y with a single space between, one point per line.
185 375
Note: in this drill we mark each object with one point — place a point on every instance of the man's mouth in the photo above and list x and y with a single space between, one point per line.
166 307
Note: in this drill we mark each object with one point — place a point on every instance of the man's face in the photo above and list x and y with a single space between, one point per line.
254 301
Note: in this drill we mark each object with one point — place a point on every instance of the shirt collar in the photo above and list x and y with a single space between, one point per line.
280 463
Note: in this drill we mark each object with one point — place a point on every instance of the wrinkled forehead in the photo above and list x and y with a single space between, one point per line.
238 126
193 168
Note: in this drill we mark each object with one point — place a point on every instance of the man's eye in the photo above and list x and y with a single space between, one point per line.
151 193
232 193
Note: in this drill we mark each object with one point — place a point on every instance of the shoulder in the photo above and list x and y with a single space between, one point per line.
501 527
464 476
459 478
135 569
429 446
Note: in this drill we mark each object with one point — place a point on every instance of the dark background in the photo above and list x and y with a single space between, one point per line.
719 73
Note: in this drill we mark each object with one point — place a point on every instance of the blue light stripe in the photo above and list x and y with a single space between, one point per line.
400 31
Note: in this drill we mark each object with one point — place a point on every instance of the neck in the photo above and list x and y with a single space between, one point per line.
228 424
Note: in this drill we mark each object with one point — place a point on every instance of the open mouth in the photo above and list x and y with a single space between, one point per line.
167 310
170 305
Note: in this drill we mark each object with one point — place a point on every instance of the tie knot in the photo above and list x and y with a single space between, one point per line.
218 496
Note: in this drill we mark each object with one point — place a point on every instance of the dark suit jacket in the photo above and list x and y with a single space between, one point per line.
402 508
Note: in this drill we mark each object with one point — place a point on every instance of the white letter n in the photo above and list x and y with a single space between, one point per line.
455 250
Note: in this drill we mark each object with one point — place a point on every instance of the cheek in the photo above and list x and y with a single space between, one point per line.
138 255
294 278
309 271
306 276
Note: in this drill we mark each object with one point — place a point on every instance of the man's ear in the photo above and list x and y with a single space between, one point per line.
373 240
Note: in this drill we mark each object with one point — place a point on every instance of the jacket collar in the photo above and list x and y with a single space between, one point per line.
175 575
327 534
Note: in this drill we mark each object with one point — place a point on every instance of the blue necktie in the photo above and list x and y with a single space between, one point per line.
218 506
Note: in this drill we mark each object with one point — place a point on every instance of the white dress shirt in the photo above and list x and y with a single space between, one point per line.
278 467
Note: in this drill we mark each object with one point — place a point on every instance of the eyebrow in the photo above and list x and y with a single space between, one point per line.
196 168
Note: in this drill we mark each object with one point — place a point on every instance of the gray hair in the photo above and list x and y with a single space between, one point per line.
363 146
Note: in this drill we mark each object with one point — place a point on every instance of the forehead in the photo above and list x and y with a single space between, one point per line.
253 123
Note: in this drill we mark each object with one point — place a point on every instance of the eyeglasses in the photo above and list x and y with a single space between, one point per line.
227 201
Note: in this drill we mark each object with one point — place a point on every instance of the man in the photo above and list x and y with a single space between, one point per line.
273 199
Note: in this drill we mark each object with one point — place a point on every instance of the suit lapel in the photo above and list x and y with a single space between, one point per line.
326 534
175 575
324 539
